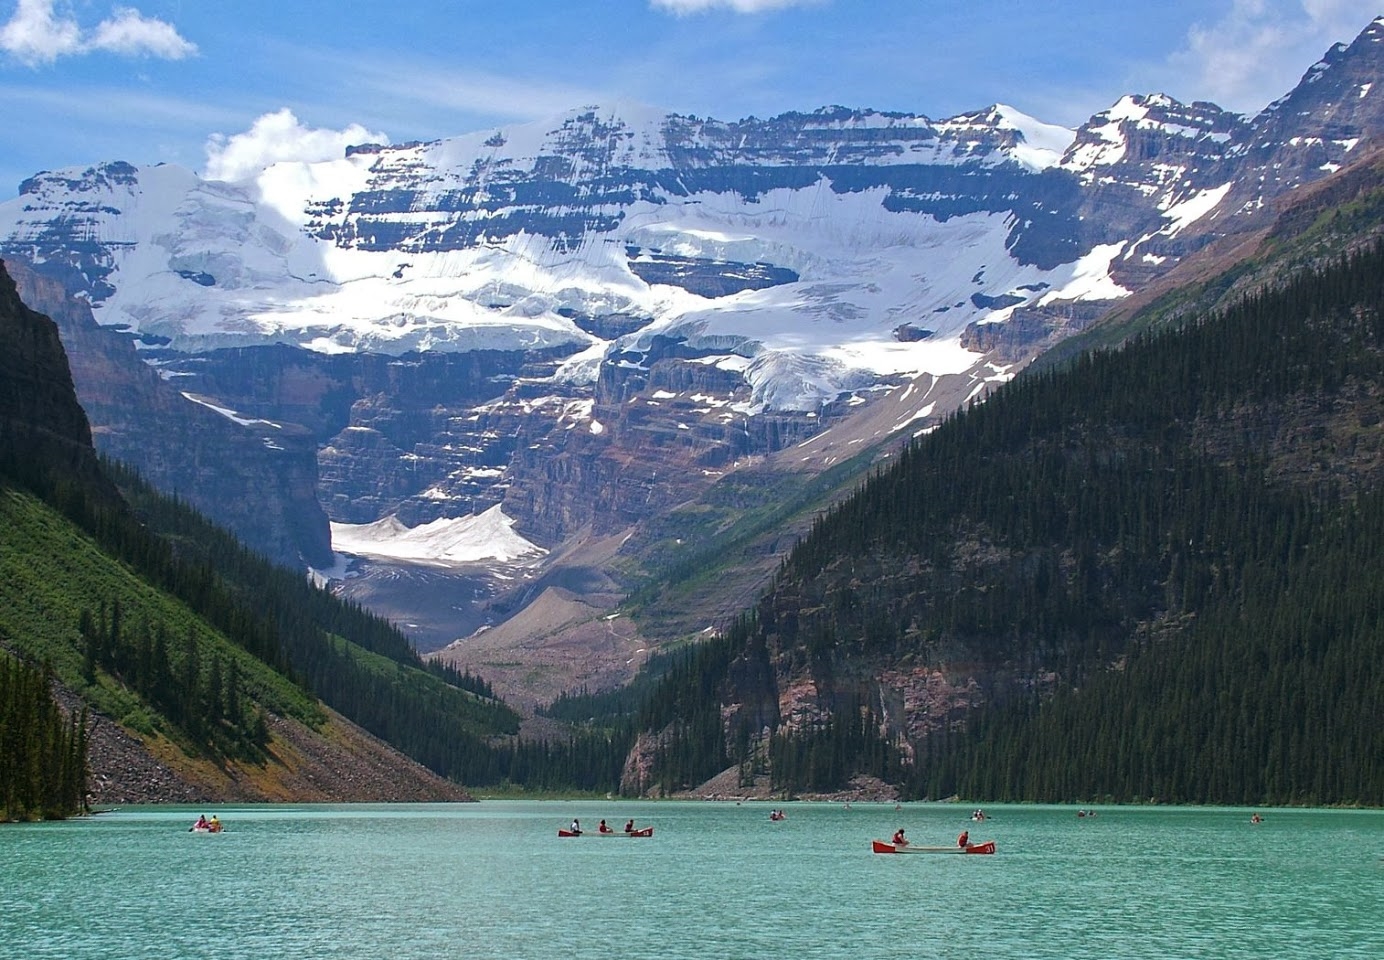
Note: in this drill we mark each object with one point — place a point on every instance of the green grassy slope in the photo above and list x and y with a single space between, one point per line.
51 571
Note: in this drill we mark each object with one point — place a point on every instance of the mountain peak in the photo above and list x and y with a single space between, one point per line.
1345 70
102 176
1045 142
1125 131
745 237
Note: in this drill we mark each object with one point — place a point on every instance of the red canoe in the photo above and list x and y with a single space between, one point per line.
643 832
883 846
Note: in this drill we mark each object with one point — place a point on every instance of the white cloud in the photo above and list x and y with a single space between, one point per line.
681 7
131 33
277 137
1255 53
37 34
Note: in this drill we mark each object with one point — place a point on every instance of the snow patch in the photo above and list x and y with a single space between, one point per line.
1090 279
1043 143
1181 215
231 414
485 536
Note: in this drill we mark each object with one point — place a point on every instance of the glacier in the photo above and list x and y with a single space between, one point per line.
459 244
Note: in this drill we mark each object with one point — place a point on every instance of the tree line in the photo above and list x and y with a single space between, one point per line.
43 752
1170 549
201 695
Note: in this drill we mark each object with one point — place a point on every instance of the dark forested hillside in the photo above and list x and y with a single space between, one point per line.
168 626
1152 575
135 604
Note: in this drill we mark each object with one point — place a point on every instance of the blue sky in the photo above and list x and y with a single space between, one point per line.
214 84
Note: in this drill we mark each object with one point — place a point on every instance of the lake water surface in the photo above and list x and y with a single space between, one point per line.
493 880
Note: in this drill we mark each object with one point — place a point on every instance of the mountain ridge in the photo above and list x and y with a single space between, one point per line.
676 297
591 174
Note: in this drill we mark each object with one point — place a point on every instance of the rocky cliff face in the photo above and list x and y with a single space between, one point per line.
41 425
426 436
256 478
1316 128
412 435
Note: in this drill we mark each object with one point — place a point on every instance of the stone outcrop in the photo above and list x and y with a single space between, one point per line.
339 764
42 427
256 478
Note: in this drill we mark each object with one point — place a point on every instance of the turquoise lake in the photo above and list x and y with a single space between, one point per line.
493 880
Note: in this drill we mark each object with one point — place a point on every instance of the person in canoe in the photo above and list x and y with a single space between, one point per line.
629 825
964 839
899 839
603 828
201 823
1256 819
576 827
214 824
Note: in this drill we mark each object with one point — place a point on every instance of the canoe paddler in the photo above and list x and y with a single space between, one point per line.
964 839
899 839
629 826
603 828
576 827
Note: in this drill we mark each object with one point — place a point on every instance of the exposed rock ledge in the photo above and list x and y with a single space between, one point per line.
339 764
727 786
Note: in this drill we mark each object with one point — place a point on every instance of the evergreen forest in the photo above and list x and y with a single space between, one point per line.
1152 574
125 600
42 750
1169 558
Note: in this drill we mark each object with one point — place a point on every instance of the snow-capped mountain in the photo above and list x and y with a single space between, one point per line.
776 240
806 236
557 290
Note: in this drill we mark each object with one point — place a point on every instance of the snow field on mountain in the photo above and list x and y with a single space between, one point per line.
210 264
481 537
864 271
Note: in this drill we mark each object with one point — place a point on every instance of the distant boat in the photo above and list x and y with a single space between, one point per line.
884 846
